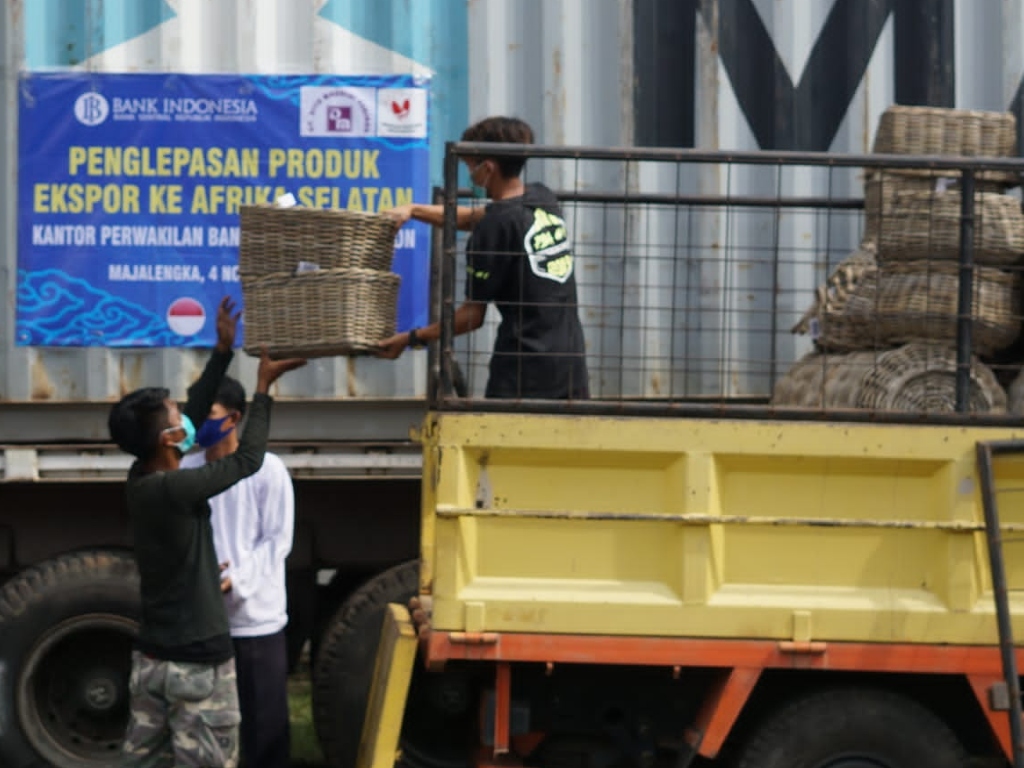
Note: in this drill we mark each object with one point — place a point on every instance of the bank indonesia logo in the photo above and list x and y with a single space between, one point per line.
91 108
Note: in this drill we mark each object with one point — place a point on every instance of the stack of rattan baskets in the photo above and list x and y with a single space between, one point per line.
316 283
886 320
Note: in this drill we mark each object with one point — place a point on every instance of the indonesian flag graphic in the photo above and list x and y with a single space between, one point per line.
186 317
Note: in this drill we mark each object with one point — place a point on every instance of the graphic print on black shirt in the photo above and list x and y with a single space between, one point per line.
548 248
520 257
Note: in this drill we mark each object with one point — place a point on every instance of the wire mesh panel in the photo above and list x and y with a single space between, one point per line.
867 286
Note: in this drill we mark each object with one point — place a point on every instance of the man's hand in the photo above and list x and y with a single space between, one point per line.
270 371
225 581
227 321
401 215
393 347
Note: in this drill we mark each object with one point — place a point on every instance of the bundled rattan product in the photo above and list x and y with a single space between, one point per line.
824 381
275 239
926 226
918 301
922 378
939 131
320 314
316 283
834 329
882 187
915 378
880 190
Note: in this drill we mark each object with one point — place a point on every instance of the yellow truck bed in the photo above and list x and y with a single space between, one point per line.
670 527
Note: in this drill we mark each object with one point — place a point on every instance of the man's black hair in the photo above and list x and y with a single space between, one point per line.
137 419
231 395
502 130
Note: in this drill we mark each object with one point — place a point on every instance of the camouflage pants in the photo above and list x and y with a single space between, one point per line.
183 715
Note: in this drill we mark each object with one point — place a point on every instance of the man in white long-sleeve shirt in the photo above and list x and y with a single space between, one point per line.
253 523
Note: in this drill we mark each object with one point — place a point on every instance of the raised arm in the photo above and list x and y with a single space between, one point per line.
195 485
204 390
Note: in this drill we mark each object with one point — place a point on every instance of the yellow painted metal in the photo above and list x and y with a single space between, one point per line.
396 654
701 528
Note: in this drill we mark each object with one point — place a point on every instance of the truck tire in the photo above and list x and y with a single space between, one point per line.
66 629
853 728
438 704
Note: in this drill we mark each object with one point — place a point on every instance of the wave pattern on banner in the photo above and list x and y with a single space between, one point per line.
55 308
283 87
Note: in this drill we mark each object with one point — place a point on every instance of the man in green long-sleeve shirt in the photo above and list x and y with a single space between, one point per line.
184 702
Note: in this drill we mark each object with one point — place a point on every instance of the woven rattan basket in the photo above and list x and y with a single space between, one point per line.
959 132
922 378
882 188
824 381
274 240
926 226
916 378
320 314
834 329
918 301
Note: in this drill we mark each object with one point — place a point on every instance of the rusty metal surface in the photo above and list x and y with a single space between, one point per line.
378 420
953 526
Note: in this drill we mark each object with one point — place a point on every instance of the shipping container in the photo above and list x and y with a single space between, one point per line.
311 36
733 74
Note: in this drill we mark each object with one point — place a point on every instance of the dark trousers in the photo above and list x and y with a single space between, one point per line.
262 668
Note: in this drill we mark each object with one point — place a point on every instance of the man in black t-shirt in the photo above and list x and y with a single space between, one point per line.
519 257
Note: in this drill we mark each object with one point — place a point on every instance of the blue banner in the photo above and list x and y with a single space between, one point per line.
129 188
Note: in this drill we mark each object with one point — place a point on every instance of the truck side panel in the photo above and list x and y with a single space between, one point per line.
672 527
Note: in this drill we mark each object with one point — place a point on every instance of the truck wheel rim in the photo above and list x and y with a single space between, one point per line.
73 698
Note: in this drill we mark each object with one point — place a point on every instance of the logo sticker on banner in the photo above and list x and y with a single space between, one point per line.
338 112
130 187
402 112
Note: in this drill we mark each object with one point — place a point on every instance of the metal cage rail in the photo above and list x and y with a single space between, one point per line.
693 269
986 453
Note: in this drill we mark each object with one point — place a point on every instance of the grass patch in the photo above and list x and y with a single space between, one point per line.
305 748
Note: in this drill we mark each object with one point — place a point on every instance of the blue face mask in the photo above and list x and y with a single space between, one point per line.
185 444
210 433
